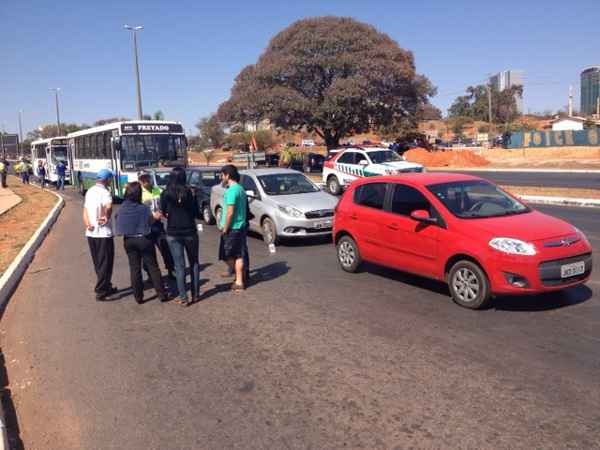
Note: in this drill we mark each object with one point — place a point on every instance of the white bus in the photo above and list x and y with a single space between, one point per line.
126 148
50 151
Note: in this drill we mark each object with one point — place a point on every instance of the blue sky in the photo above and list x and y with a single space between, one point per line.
191 51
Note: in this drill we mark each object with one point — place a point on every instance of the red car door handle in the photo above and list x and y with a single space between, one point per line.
393 226
353 216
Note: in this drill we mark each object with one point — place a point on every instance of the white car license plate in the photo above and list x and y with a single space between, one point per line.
324 224
571 270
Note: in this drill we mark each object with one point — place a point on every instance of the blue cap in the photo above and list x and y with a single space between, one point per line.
104 174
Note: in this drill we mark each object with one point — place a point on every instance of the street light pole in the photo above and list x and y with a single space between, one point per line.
21 125
56 90
134 31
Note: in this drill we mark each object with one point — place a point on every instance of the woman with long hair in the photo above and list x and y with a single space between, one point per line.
179 205
133 223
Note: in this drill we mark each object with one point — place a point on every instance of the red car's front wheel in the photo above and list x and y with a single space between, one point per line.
469 285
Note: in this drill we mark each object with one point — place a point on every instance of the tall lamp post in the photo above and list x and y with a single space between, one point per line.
56 91
134 31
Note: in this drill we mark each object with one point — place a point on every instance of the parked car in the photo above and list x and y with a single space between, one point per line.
202 179
284 203
159 176
358 162
312 162
462 230
272 159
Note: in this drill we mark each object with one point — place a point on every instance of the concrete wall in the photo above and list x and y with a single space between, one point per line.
551 138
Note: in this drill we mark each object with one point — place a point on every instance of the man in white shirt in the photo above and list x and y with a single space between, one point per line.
97 211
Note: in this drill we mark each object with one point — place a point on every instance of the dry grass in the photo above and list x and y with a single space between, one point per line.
554 192
550 157
19 224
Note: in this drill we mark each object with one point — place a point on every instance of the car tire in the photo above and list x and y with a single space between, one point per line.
207 215
469 285
348 254
269 231
333 184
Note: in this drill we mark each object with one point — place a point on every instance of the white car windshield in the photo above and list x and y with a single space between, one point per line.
287 184
383 156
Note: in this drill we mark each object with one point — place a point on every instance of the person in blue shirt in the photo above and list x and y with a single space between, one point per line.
41 173
61 169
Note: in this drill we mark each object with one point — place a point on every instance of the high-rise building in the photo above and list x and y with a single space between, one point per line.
590 90
507 79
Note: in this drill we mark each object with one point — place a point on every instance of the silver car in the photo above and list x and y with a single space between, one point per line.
284 202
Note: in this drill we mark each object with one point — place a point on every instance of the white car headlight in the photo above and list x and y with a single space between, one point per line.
290 211
512 246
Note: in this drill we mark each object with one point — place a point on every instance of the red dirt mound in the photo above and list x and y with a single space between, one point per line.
450 158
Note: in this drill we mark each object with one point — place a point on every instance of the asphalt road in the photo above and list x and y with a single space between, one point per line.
545 179
310 357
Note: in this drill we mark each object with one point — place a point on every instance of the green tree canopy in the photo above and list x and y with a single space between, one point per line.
99 122
47 131
329 75
211 132
475 104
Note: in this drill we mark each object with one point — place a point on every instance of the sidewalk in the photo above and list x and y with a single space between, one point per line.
8 199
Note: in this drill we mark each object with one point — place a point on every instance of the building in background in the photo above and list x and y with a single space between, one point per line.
507 79
590 90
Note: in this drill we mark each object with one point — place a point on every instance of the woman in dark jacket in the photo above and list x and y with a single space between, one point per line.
178 204
133 223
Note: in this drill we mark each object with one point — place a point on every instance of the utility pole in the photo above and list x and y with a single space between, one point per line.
56 90
21 125
134 31
570 111
489 92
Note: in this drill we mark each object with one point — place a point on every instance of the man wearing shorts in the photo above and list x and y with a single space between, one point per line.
233 225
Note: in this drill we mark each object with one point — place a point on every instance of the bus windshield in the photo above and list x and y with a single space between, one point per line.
152 150
59 153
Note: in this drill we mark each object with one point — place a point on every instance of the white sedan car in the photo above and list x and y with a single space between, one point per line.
358 162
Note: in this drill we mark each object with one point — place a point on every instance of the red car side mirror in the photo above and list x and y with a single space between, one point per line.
420 215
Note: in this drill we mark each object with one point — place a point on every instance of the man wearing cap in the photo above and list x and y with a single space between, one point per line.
97 211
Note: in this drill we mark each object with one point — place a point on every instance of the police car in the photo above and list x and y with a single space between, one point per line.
358 162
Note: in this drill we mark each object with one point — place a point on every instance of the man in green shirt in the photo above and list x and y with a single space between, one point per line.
233 247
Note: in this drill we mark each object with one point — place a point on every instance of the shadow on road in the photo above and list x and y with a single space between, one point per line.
299 242
521 303
10 416
407 278
544 302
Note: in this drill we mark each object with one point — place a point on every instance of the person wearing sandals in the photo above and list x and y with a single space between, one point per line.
233 245
133 222
178 204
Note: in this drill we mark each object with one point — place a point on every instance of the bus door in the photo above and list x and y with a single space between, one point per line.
70 151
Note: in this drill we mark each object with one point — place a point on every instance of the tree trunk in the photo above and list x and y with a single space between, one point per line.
332 140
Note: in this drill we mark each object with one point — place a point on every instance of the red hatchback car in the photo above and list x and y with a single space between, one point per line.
462 230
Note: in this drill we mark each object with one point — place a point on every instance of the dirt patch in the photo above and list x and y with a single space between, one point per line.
450 158
550 157
19 224
553 192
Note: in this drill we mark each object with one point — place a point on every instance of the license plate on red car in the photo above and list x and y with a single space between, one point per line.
572 270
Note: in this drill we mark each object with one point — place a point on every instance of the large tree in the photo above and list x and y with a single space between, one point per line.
48 131
329 75
211 132
475 104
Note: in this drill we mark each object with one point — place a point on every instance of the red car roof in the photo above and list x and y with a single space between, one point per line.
423 179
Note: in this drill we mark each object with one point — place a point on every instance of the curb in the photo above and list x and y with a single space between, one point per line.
560 201
10 279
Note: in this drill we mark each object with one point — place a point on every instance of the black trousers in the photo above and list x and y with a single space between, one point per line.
140 249
103 256
160 240
3 179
